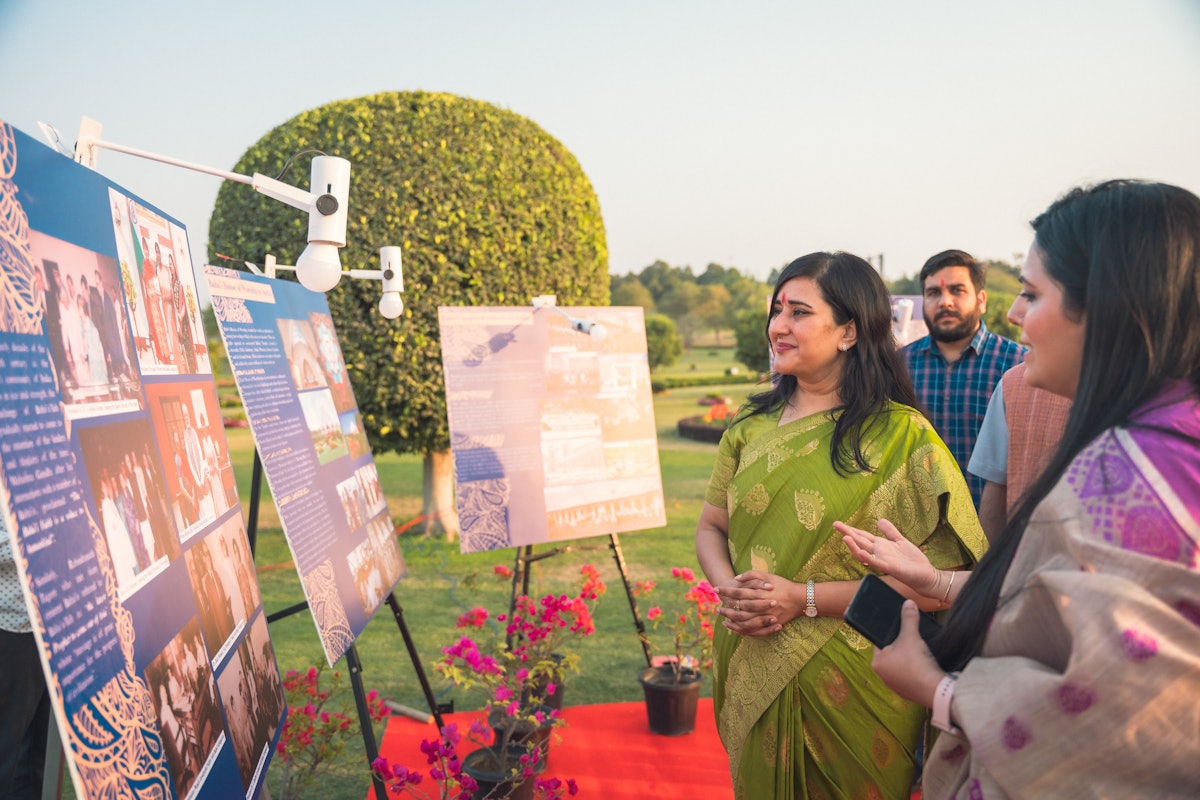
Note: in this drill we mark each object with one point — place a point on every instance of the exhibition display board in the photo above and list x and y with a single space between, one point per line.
123 525
551 430
288 364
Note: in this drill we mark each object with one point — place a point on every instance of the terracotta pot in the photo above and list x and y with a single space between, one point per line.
671 705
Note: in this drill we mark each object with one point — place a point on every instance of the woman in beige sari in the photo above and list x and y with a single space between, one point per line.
836 437
1070 664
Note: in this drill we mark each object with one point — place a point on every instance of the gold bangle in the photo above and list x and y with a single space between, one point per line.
949 586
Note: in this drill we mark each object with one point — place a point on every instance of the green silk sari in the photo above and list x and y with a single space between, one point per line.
801 713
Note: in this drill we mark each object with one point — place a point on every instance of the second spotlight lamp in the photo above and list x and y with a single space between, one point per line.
391 305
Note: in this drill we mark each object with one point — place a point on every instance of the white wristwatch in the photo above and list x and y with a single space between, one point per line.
941 705
810 608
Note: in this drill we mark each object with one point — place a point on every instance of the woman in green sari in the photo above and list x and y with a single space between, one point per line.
836 438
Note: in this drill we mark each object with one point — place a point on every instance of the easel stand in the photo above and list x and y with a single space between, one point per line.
353 664
524 566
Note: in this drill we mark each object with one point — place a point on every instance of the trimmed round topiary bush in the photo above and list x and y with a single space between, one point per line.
488 208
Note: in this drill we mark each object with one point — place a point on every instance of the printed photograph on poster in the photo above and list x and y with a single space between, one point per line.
552 431
253 706
372 489
321 419
299 345
87 328
199 474
134 511
282 345
332 365
354 434
185 695
160 289
354 504
221 570
368 576
387 555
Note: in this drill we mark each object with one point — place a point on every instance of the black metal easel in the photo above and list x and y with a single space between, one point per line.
353 664
526 558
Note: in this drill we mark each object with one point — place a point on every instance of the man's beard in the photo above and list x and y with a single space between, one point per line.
963 330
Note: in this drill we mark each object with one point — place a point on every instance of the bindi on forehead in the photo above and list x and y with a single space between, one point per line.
783 297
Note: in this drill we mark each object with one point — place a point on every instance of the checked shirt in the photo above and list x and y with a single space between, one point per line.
955 396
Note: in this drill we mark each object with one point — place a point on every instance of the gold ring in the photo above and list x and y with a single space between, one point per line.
737 605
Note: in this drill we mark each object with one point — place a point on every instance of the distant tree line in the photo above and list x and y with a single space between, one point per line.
679 305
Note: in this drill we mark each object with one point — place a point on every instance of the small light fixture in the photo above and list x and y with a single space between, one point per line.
390 271
594 329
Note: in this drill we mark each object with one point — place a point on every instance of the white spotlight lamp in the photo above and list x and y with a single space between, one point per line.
319 268
594 329
390 304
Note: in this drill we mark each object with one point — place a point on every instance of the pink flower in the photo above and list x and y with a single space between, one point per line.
477 731
683 574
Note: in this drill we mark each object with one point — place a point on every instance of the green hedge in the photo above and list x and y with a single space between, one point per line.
685 381
699 430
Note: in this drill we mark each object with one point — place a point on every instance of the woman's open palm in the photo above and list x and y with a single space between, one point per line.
890 554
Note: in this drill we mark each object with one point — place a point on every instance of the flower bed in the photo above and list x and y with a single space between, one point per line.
709 426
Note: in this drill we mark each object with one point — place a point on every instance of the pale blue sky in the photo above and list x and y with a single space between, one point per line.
741 133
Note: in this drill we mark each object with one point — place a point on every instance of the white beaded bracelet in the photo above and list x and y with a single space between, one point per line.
941 705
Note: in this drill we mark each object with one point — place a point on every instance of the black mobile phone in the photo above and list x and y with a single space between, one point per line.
875 613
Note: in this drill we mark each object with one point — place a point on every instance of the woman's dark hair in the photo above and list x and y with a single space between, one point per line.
1126 255
873 372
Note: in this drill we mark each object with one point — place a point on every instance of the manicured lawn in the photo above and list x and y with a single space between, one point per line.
704 360
441 583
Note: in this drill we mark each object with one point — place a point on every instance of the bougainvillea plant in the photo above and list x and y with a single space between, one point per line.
522 664
316 732
448 780
690 620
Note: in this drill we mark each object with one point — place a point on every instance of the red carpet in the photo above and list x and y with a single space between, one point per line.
608 750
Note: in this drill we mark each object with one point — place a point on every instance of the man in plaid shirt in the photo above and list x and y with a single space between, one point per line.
957 366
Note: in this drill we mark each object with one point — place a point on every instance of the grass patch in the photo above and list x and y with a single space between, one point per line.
703 361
